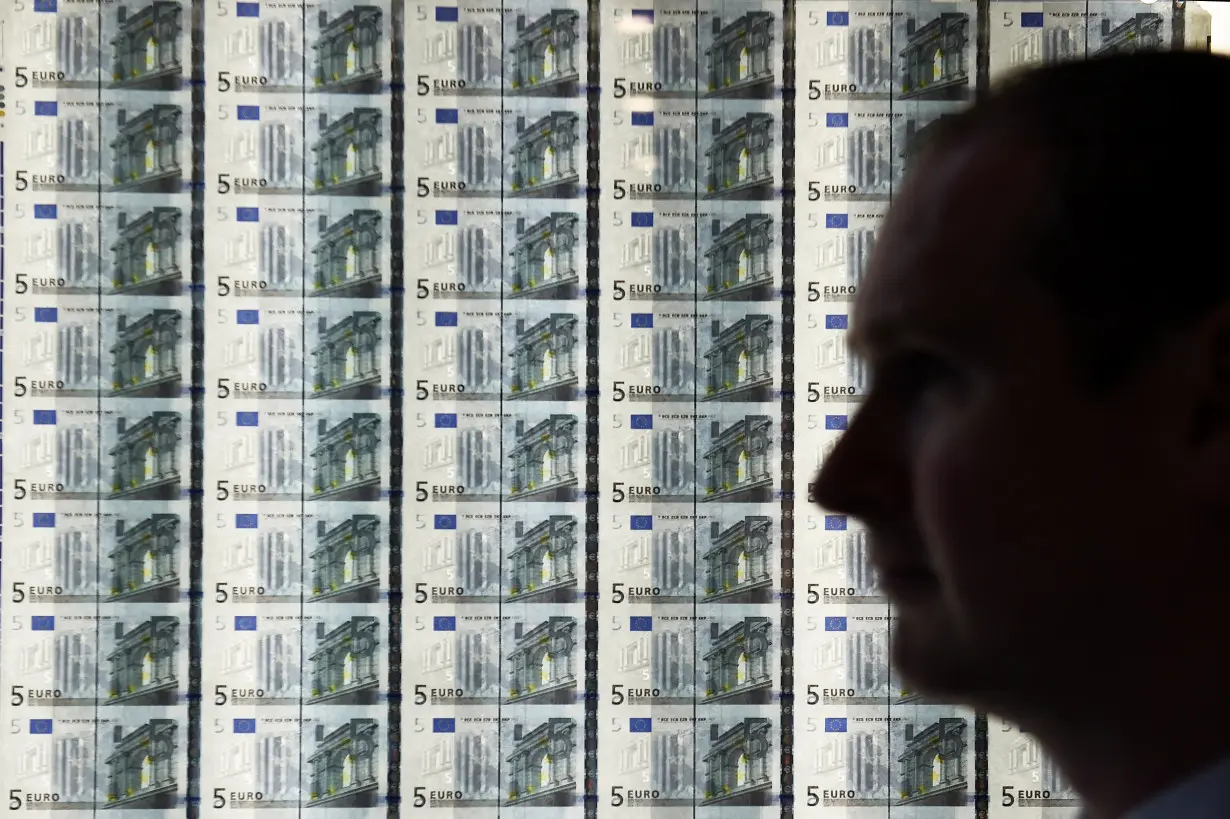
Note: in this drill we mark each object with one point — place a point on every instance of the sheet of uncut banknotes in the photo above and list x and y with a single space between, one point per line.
411 406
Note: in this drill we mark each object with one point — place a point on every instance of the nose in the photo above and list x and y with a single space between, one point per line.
830 489
861 474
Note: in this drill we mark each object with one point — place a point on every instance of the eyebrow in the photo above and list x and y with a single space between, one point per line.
859 339
866 336
867 333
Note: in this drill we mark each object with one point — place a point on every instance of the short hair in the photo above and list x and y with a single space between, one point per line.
1125 239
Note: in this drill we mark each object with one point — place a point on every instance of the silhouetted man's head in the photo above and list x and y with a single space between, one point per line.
1042 459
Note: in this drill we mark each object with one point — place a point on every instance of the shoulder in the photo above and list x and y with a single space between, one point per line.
1206 795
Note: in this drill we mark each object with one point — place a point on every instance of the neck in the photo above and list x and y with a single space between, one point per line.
1118 757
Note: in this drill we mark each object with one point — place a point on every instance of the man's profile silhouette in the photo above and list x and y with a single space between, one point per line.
1042 458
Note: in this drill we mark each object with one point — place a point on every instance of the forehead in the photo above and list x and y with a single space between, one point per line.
949 253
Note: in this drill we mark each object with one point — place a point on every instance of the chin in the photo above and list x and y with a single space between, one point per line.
929 657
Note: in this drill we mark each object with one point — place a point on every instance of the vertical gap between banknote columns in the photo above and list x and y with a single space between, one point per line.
303 381
98 454
2 314
2 281
593 285
499 706
696 488
196 492
982 81
888 607
787 411
3 278
396 402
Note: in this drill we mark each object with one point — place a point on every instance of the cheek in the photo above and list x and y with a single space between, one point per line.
981 491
